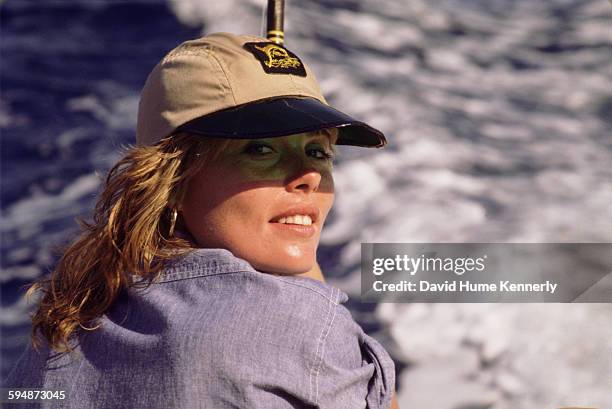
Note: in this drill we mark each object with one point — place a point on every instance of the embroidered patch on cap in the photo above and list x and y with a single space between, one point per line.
276 59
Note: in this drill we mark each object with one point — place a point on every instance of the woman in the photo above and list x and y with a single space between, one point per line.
196 284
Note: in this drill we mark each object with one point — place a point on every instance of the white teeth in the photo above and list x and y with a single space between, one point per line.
297 219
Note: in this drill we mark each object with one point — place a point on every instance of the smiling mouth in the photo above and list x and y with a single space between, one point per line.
293 230
299 214
298 219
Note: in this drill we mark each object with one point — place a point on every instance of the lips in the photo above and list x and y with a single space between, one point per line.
302 209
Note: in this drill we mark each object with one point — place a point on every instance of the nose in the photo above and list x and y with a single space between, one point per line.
305 179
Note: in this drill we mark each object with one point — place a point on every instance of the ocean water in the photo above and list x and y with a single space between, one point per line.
498 115
71 75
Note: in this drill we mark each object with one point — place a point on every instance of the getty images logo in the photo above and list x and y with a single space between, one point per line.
429 262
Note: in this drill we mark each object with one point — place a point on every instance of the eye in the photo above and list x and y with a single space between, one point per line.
258 149
319 153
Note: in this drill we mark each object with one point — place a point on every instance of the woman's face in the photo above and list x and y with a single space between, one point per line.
265 200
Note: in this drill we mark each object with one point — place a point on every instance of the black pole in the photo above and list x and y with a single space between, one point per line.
274 22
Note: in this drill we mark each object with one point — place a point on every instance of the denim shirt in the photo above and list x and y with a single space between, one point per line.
212 332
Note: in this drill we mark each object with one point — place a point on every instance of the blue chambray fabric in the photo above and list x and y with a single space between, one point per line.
213 332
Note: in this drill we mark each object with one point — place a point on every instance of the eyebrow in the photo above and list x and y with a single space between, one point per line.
321 134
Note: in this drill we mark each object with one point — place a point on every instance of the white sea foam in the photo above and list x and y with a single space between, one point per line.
491 138
498 116
38 208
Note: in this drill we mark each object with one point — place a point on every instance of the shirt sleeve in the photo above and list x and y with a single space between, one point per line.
284 343
382 383
355 371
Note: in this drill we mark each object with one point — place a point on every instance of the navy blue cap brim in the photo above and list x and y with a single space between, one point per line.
284 116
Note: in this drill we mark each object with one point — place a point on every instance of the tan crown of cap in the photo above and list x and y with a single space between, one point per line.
206 75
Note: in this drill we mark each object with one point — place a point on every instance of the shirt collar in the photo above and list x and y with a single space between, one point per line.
206 261
203 262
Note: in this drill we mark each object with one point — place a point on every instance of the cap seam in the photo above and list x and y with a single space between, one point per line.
295 88
229 84
172 55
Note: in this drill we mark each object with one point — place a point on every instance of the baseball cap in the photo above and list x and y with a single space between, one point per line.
238 86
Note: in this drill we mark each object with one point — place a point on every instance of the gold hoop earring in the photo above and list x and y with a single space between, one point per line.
173 216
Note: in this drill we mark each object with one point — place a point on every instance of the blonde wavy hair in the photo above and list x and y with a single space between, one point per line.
129 236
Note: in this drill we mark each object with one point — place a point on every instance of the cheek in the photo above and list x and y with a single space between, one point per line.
201 197
244 210
325 204
200 204
215 218
327 193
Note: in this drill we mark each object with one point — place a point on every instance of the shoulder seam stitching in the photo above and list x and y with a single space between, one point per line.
168 278
328 298
171 279
321 344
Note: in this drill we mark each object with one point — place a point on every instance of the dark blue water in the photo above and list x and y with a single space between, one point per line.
498 115
55 53
65 66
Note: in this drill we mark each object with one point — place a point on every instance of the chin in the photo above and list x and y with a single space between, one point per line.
290 260
285 268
